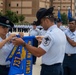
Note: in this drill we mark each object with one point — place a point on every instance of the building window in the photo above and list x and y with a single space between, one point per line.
75 7
9 4
17 12
1 3
63 6
1 10
58 6
17 5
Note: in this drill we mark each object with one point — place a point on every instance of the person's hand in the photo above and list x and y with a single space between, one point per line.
21 34
11 37
18 41
39 38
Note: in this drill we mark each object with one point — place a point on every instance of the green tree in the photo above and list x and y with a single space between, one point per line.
1 14
64 18
21 18
12 16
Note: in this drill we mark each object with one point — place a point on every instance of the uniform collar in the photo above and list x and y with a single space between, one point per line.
72 32
35 29
52 27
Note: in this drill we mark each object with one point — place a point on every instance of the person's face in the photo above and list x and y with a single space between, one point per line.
72 25
3 30
59 24
34 26
44 23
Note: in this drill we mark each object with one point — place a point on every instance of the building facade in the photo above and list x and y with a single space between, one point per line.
63 5
75 8
26 7
29 7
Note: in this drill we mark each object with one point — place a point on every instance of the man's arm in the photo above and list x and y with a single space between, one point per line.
2 43
71 42
34 50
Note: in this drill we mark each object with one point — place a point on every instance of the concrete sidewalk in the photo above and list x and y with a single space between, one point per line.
37 67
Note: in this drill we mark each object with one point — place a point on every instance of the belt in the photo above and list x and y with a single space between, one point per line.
70 54
51 65
5 66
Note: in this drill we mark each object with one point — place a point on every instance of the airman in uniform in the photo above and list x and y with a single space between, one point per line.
69 63
5 44
52 47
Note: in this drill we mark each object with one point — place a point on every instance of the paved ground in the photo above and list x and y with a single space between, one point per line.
37 67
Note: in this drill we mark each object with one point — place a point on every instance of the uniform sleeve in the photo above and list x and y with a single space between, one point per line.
38 31
47 42
30 31
75 38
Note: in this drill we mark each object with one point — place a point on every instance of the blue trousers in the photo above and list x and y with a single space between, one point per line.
4 70
34 59
51 70
35 44
69 65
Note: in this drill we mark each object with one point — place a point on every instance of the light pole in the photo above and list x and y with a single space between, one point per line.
68 8
59 14
58 8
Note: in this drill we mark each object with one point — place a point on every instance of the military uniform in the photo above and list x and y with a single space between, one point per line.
6 49
52 47
69 63
53 43
60 25
4 52
42 32
34 32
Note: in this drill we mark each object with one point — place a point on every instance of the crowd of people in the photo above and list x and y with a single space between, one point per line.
23 28
57 46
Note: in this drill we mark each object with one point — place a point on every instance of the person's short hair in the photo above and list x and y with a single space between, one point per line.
59 20
34 23
71 19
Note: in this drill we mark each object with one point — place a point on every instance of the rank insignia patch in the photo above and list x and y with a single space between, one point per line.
46 41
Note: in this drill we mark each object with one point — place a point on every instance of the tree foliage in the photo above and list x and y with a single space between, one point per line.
21 18
64 18
1 14
12 16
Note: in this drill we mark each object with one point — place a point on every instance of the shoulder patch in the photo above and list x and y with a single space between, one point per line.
46 41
